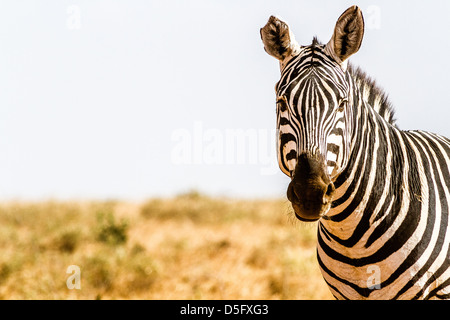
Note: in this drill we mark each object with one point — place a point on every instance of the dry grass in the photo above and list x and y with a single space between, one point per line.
187 247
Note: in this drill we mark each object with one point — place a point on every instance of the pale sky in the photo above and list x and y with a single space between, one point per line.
98 99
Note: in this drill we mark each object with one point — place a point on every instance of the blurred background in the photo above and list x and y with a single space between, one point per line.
135 99
137 142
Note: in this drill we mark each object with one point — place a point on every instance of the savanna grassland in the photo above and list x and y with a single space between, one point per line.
186 247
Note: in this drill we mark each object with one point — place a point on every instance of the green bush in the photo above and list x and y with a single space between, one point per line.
110 231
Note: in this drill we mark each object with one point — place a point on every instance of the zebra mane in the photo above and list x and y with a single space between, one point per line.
373 94
316 42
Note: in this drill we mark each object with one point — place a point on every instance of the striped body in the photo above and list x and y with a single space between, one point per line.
381 195
390 211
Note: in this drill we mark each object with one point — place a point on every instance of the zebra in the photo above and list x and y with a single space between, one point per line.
380 195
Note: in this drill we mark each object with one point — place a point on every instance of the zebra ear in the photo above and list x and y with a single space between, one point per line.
278 40
348 35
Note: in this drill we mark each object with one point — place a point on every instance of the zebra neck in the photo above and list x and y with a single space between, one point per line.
371 93
361 187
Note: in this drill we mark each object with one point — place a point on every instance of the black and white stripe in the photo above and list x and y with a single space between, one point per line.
386 234
301 88
390 211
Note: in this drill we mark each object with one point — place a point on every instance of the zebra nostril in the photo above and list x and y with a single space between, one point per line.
328 194
298 194
292 194
330 189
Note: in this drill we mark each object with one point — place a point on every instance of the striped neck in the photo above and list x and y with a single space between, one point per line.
353 230
358 191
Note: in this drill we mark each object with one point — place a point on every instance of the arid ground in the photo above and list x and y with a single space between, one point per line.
186 247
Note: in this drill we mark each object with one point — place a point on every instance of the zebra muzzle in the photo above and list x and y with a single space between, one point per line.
311 189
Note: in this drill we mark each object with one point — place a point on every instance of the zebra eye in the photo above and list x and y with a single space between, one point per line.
282 104
342 105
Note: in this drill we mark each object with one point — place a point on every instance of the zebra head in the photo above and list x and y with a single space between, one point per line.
314 110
